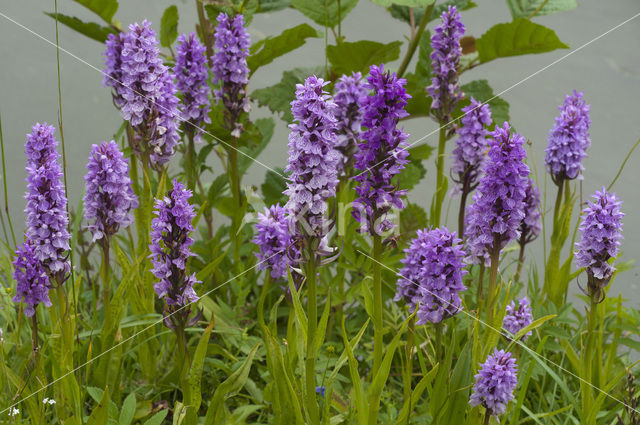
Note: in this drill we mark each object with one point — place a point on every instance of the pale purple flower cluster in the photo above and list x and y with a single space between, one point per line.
274 240
445 42
498 209
191 74
495 382
471 145
171 246
109 198
143 90
432 275
531 225
518 317
601 229
382 154
229 66
569 140
349 90
313 160
46 210
33 284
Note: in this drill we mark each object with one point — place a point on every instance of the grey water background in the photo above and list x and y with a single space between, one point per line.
608 71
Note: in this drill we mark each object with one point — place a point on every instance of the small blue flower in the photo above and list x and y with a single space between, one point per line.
320 390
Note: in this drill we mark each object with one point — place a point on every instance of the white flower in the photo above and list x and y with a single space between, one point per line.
49 401
13 411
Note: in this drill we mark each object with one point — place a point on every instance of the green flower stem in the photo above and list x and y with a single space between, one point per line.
520 262
377 304
105 277
493 280
587 396
263 297
480 282
438 347
234 183
416 39
556 209
312 324
439 177
408 372
190 159
487 417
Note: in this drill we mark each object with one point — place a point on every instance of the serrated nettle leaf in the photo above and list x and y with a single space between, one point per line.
278 97
530 8
267 50
408 178
420 103
273 186
255 142
520 37
272 5
408 3
327 13
348 57
90 29
103 8
481 91
422 151
169 26
402 12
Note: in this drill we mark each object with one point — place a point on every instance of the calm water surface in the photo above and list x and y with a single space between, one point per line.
608 71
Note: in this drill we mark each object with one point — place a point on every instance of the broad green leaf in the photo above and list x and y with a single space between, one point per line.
481 91
416 394
273 186
402 12
209 268
420 152
266 50
193 394
90 29
408 178
408 3
530 8
157 418
261 137
520 37
169 26
233 384
347 57
278 97
272 5
128 410
361 405
325 12
412 218
103 8
100 413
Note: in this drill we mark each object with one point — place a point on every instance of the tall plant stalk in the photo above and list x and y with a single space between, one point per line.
234 182
493 280
105 277
377 304
312 324
439 177
415 40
